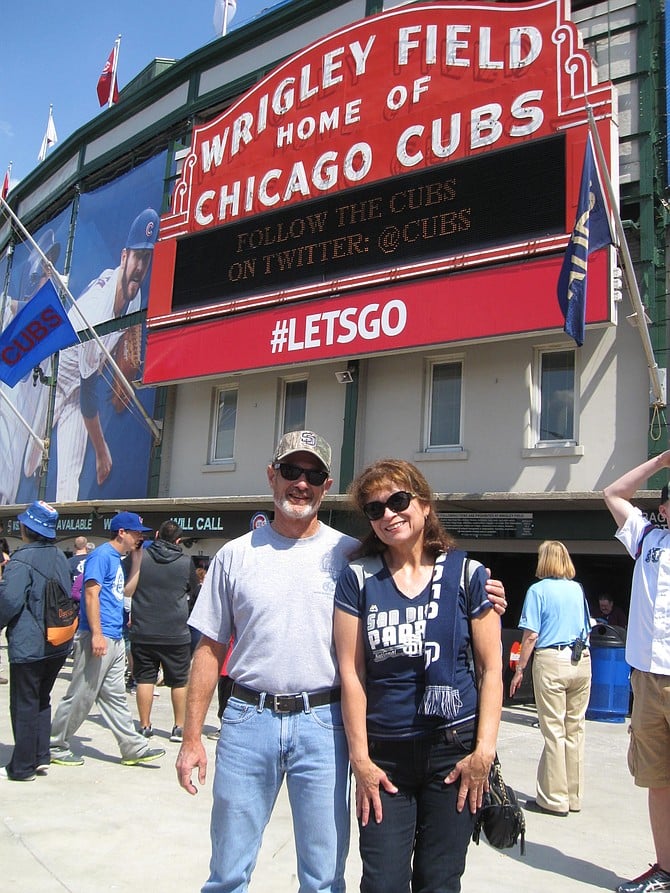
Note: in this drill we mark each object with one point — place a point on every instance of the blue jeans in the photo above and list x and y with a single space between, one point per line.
257 749
421 842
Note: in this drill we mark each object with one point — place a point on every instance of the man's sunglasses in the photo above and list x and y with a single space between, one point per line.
293 472
397 502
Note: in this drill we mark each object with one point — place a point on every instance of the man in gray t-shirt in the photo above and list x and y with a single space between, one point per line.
272 591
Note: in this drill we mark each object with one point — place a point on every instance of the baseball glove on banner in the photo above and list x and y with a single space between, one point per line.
127 355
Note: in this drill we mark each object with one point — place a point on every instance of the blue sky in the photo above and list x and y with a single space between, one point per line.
53 53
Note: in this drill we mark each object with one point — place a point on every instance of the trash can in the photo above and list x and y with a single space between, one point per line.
610 674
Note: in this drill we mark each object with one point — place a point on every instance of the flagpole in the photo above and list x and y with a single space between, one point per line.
117 47
628 270
225 18
53 272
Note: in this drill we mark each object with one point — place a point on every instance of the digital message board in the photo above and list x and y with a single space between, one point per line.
506 196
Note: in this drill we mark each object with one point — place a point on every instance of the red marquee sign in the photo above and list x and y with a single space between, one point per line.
424 140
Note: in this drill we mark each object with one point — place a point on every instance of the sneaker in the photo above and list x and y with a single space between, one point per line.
146 731
3 774
177 734
3 680
66 759
650 881
147 757
42 769
214 736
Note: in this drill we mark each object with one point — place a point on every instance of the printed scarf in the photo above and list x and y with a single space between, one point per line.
441 696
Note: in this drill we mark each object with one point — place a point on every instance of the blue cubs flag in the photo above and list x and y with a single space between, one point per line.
591 231
40 329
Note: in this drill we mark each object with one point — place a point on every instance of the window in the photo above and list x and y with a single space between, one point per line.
295 405
225 417
444 411
557 396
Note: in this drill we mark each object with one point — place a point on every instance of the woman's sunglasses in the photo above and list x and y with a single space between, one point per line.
293 472
397 502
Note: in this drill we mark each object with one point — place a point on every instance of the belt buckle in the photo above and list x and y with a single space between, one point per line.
280 703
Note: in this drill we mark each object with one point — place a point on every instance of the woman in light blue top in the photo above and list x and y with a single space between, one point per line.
556 625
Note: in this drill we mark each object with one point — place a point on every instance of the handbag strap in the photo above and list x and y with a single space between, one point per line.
496 773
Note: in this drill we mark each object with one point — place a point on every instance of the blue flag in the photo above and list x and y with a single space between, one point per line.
40 329
592 231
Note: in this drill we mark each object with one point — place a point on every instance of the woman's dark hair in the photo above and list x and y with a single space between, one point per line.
4 545
33 537
397 474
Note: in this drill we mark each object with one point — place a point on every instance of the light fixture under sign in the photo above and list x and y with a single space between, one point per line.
344 377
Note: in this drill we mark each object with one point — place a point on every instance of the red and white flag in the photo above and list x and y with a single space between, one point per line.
50 136
5 182
224 10
108 88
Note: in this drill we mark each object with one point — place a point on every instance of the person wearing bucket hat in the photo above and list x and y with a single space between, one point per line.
34 664
99 656
114 294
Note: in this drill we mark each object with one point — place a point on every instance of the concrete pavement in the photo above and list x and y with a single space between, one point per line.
106 827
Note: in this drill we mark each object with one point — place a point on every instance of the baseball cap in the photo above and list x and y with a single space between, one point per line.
41 518
303 442
127 521
143 231
664 494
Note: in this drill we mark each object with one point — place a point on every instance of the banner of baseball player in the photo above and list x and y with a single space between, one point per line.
99 446
425 141
20 454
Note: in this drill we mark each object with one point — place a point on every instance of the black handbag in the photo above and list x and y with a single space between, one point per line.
500 817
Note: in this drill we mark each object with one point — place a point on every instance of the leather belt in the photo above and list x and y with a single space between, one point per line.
293 703
553 647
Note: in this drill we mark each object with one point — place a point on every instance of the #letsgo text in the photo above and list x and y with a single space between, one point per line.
339 327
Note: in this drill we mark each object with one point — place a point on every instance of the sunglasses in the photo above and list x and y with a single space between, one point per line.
397 502
293 472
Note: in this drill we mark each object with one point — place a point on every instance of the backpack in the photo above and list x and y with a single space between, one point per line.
61 614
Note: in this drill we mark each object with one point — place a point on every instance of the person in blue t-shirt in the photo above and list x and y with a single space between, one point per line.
99 653
421 720
554 617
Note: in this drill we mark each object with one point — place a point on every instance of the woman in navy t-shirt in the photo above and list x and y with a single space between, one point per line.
421 721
